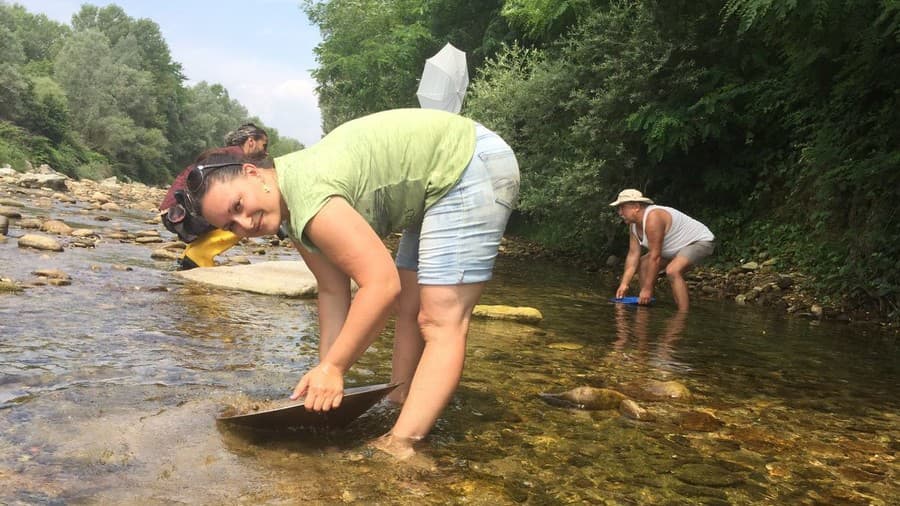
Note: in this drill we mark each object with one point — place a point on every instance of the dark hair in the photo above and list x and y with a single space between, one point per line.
216 156
246 131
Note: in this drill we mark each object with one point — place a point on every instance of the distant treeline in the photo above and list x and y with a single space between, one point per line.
775 122
102 97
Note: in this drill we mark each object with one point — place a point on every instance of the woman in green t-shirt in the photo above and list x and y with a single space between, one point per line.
446 182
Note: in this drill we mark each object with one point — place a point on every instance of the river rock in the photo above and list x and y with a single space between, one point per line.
286 278
100 197
519 314
565 346
9 286
630 409
699 421
4 225
40 242
707 475
30 223
56 227
653 390
51 274
110 183
10 212
53 181
83 232
62 197
586 398
165 254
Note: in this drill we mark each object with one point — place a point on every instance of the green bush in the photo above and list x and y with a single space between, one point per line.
95 170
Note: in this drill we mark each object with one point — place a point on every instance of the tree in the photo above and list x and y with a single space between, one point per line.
370 57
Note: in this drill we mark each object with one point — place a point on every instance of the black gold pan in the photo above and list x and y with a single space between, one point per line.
356 401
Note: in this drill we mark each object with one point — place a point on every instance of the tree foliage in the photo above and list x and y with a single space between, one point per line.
103 97
772 121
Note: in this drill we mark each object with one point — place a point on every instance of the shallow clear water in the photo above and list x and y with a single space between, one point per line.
109 390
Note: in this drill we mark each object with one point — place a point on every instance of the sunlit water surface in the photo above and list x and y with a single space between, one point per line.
109 390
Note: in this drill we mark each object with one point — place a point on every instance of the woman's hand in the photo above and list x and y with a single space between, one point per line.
645 296
323 387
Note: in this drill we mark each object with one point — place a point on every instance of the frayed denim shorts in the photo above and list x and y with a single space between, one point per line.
459 236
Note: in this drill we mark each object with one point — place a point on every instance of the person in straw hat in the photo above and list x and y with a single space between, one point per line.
674 242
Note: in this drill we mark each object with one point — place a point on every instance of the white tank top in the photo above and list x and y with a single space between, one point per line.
683 231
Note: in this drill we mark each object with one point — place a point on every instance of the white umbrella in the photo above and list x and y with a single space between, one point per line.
444 80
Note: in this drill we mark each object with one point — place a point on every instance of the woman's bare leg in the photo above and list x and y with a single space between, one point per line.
444 320
408 343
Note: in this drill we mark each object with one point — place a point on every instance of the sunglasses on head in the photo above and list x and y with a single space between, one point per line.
198 174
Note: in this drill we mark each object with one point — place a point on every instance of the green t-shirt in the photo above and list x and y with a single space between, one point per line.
390 166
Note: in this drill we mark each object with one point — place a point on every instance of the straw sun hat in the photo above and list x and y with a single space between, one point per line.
630 195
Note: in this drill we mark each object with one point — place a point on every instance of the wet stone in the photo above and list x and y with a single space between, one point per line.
83 242
565 346
51 274
586 398
10 213
656 390
706 475
165 254
858 473
30 223
630 409
707 496
39 242
7 286
699 421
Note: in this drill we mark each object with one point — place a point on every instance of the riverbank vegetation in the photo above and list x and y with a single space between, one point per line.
773 122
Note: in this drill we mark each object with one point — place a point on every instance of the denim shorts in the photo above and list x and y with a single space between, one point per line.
459 236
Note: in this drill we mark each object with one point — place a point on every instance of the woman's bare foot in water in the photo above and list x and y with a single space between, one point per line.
398 447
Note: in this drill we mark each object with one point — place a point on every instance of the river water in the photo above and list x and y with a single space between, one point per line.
109 389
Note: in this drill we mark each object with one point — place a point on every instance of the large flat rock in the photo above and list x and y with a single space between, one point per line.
290 278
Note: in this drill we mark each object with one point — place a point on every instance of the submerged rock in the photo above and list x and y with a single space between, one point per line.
8 286
56 227
630 409
565 346
519 314
586 398
707 475
40 242
699 421
656 390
